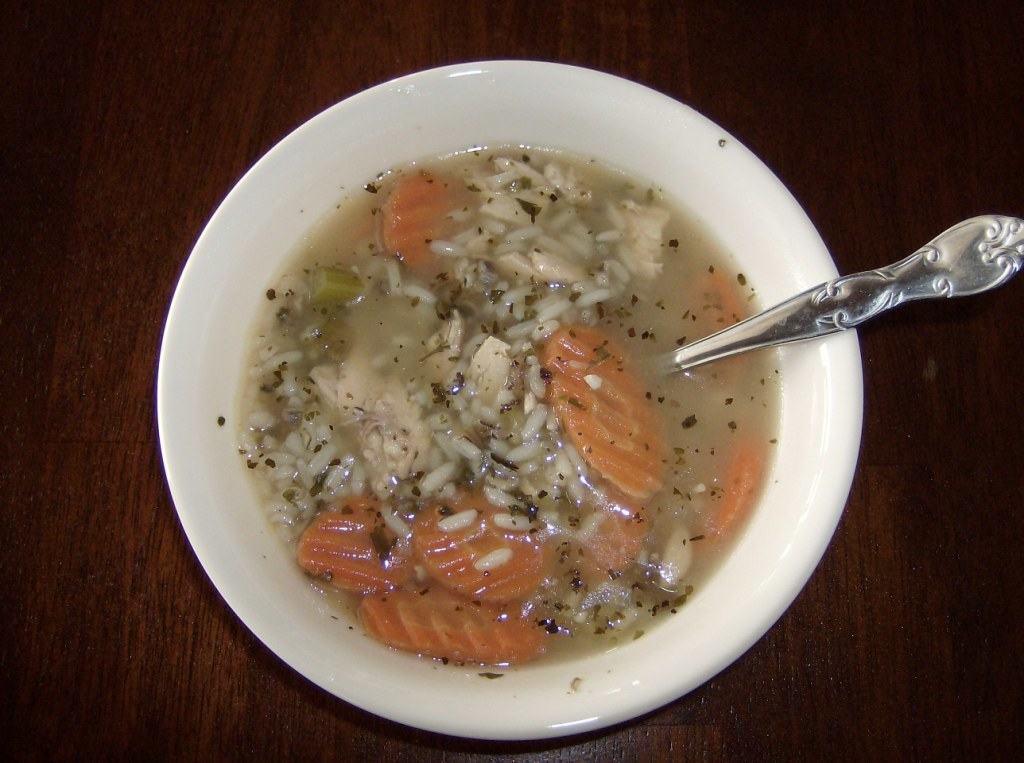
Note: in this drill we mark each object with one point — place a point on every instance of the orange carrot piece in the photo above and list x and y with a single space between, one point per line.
739 488
616 541
416 212
614 427
349 547
438 624
453 558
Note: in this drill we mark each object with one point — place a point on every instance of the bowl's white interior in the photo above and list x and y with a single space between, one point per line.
442 110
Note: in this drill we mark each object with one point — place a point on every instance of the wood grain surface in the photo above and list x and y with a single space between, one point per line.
123 126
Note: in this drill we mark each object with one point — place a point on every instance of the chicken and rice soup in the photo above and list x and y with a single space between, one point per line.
450 417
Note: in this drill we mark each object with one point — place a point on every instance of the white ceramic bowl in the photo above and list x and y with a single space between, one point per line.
270 210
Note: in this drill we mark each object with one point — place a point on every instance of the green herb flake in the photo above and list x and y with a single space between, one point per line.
530 208
381 544
491 676
220 421
318 485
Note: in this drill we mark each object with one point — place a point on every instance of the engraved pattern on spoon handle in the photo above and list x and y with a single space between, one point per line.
973 256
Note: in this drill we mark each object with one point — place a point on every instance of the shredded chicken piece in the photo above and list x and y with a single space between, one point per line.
640 250
453 333
444 345
489 368
567 184
394 437
541 266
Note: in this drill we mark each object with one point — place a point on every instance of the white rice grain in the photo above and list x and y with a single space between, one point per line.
553 245
519 330
293 443
503 208
497 446
435 479
593 297
581 245
528 468
615 215
456 522
396 524
466 449
593 381
552 308
465 236
394 276
280 359
520 235
498 497
447 248
608 236
525 452
358 478
493 560
494 227
529 402
515 295
617 270
534 422
535 382
260 420
320 461
574 457
589 525
335 479
543 330
414 291
507 521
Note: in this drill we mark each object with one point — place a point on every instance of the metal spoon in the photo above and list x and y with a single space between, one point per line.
971 257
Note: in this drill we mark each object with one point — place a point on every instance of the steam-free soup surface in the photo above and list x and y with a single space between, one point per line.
450 416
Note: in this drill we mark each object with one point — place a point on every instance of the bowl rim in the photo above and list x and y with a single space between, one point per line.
843 348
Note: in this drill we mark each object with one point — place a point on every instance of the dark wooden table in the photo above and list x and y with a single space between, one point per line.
125 124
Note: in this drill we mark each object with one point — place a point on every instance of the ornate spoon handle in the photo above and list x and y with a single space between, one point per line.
971 257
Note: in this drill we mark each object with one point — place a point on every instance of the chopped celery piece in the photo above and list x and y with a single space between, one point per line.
334 285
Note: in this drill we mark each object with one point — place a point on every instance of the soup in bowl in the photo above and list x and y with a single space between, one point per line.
408 419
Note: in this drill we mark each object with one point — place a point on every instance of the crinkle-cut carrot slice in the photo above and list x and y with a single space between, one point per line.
437 623
349 547
479 560
613 426
739 488
614 534
416 212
